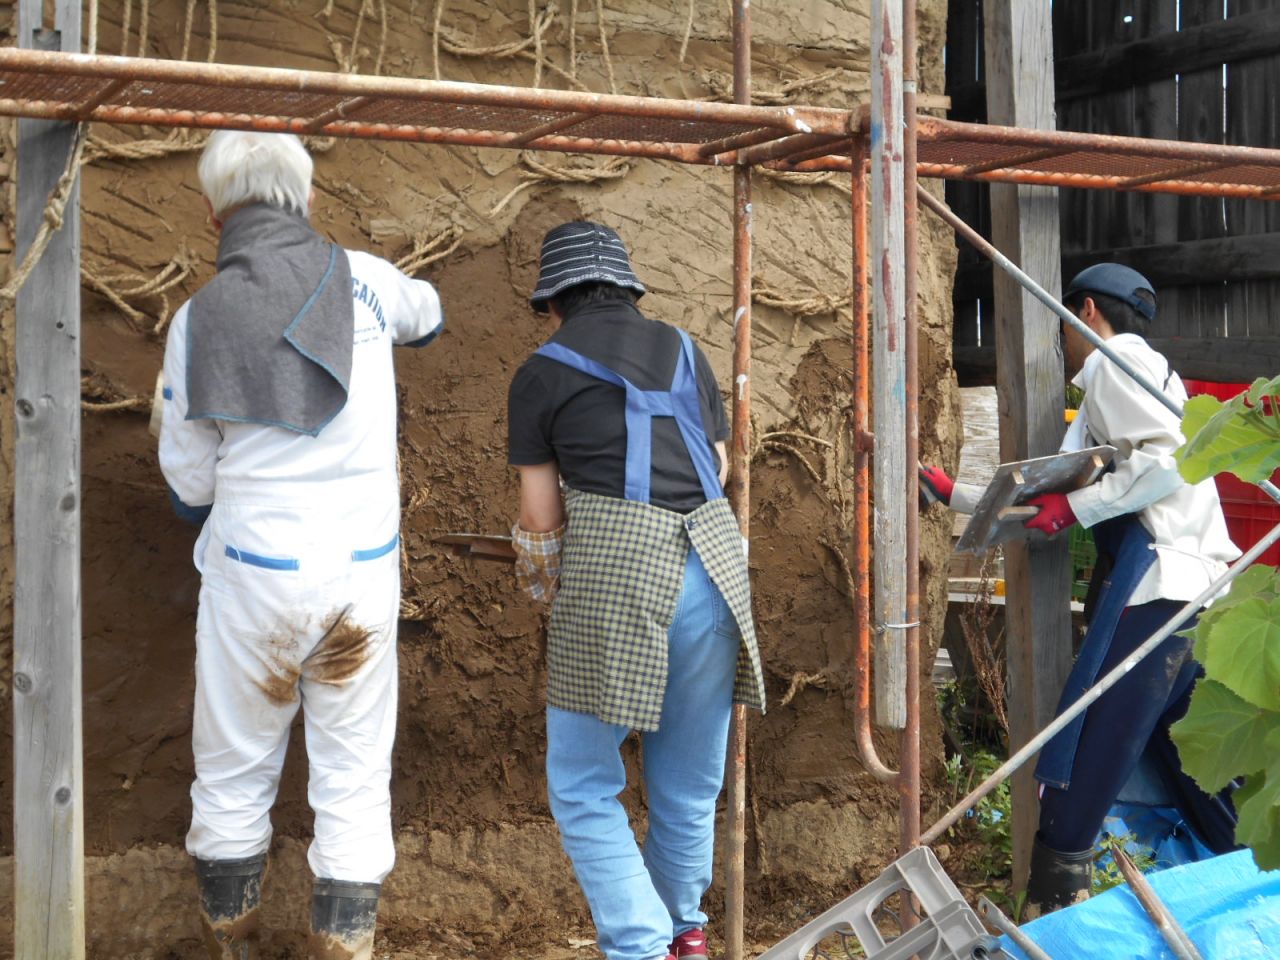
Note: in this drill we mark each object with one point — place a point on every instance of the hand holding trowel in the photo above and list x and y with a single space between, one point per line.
481 546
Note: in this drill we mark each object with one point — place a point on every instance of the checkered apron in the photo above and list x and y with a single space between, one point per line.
623 568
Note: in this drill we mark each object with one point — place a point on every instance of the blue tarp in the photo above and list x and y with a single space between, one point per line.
1229 908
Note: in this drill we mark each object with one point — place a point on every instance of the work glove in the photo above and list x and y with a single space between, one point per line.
1055 513
935 487
538 561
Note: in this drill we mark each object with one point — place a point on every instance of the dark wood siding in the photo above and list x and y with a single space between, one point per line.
1213 262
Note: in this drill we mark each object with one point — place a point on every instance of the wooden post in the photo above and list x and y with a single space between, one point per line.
1019 63
889 377
48 794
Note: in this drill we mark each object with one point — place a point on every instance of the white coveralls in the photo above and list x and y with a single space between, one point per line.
299 595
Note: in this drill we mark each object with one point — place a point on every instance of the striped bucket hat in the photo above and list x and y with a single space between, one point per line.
581 252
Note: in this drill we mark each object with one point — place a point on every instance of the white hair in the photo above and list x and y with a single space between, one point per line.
239 167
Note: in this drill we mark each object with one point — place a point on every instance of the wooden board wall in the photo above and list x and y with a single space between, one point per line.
1117 66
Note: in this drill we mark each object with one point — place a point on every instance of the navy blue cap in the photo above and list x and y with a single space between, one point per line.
581 252
1115 280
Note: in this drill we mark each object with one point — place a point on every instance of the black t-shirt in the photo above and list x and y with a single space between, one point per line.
555 412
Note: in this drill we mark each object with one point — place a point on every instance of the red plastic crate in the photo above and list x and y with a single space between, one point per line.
1249 512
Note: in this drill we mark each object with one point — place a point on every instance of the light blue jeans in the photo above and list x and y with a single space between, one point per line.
641 901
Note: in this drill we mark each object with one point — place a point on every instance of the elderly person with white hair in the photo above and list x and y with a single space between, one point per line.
279 436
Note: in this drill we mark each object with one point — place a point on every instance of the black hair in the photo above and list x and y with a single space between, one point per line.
1122 317
572 299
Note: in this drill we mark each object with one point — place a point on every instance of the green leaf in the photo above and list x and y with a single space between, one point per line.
1258 805
1241 436
1196 414
1222 736
1262 387
1243 651
1260 581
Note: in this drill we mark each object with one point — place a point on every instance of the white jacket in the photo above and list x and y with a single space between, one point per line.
347 473
1191 542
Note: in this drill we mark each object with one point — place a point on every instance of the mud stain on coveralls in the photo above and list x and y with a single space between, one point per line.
341 652
280 685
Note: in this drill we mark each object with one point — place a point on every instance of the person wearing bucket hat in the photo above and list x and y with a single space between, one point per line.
651 626
578 253
1160 542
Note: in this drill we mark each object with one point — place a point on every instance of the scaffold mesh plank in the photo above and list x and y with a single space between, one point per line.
139 90
124 90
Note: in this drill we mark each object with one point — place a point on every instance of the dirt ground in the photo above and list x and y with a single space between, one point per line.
480 872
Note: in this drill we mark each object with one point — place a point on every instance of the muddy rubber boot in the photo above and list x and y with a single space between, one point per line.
230 891
343 916
1057 880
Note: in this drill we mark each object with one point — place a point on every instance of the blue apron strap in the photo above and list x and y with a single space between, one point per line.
635 483
688 414
571 358
681 403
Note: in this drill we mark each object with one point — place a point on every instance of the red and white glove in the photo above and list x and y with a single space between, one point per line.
935 485
1055 513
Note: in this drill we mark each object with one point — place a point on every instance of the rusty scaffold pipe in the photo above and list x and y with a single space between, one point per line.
909 753
740 480
862 476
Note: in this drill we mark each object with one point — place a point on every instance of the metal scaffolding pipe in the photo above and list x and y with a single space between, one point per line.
889 363
937 130
363 130
141 69
862 480
740 479
778 149
909 753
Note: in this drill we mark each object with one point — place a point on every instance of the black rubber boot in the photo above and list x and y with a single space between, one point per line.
343 916
230 891
1057 880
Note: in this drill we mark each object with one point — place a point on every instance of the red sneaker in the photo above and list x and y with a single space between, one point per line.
691 943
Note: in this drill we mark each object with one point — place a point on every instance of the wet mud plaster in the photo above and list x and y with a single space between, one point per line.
329 947
226 938
468 792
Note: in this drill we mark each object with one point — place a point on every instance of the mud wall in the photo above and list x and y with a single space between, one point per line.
478 853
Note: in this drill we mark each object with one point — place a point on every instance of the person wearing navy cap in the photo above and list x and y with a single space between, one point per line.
651 626
1160 542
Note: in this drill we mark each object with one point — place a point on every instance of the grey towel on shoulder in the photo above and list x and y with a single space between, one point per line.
269 338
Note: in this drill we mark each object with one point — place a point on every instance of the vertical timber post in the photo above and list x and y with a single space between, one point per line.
48 792
1024 221
888 364
740 480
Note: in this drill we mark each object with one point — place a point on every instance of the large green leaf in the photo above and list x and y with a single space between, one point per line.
1241 436
1243 651
1222 736
1258 804
1260 581
1232 727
